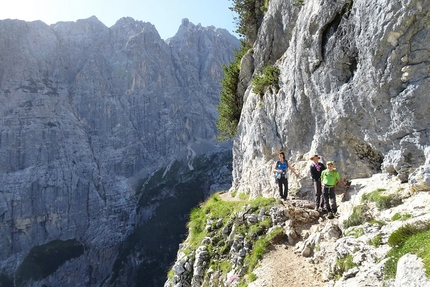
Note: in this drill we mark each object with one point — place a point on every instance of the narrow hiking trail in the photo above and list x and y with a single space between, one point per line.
282 267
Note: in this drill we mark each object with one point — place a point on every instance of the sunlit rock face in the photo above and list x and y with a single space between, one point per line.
87 113
353 88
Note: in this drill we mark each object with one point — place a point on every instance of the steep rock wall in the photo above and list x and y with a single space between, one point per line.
353 88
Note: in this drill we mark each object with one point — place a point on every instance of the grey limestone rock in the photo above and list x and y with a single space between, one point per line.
410 272
353 88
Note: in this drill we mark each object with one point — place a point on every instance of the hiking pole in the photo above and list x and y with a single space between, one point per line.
348 185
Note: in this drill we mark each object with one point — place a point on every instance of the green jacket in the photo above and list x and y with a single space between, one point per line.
330 178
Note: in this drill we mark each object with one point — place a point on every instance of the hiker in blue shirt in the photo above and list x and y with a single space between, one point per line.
281 175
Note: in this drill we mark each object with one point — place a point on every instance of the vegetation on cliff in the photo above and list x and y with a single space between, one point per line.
231 102
227 228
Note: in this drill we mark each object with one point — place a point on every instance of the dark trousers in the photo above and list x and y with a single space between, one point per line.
328 192
319 199
283 187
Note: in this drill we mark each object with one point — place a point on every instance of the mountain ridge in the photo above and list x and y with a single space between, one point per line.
90 113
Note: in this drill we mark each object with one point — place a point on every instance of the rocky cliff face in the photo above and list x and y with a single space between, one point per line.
87 113
353 88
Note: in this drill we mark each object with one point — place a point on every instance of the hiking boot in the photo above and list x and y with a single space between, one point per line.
330 215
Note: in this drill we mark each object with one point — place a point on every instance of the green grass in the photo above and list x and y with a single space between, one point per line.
233 215
223 266
382 201
399 237
252 277
413 239
377 222
170 274
343 265
356 232
357 217
376 241
213 208
260 247
402 217
261 202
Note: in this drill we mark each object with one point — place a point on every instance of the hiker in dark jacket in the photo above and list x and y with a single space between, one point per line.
316 168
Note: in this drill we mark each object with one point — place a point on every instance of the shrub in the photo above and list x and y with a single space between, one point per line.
231 103
249 16
268 79
299 3
265 6
408 239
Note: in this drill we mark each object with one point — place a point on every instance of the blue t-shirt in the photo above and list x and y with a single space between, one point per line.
282 166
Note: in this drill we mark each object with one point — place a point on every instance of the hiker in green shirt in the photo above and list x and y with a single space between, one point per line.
330 178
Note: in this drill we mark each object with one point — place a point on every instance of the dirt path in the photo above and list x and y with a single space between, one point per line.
227 197
282 267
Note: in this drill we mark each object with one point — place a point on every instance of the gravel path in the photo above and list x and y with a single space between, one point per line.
282 267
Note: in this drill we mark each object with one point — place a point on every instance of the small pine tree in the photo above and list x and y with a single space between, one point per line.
231 103
269 79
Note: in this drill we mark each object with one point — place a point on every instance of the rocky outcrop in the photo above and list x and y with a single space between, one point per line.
222 258
353 88
88 113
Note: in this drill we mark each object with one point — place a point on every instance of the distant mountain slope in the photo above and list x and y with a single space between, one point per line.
87 114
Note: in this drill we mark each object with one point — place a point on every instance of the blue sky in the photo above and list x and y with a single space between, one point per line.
165 15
